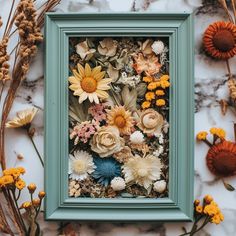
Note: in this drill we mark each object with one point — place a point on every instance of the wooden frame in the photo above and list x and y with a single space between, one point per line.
179 29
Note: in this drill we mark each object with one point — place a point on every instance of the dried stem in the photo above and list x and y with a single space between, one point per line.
234 9
224 6
229 70
8 20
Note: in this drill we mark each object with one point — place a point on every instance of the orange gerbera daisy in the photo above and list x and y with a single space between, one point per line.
220 40
120 118
221 159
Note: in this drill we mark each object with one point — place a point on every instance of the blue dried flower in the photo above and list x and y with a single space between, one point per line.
106 169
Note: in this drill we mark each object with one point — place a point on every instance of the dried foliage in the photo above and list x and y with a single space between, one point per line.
26 22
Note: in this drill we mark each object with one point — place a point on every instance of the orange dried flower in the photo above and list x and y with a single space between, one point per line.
31 187
220 40
221 159
41 194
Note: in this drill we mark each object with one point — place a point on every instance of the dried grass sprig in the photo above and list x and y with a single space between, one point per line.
225 7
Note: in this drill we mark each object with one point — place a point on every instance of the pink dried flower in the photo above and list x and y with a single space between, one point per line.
97 111
83 132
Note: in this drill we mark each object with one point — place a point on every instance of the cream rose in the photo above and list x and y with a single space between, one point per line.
151 122
107 141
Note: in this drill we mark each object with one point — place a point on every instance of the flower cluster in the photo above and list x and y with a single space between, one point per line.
11 178
156 91
119 144
209 209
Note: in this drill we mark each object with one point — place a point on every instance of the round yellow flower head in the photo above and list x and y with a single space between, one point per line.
150 96
196 202
160 92
160 102
21 169
211 209
202 135
5 180
218 132
199 209
20 184
208 199
165 84
165 77
146 105
147 79
153 85
216 219
31 187
41 194
26 205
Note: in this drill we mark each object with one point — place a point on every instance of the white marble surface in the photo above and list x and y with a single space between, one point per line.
210 87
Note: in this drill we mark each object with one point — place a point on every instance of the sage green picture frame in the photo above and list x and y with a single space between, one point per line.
179 29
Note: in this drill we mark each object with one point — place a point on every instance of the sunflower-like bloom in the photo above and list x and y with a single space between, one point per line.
142 171
89 83
221 159
80 165
106 170
23 118
120 118
220 40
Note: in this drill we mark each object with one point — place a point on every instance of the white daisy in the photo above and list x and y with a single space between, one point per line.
80 165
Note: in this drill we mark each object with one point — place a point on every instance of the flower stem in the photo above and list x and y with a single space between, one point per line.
32 141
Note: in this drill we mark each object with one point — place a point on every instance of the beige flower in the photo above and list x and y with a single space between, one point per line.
151 122
107 141
121 118
118 184
23 118
159 186
146 47
142 170
123 155
84 51
107 47
149 64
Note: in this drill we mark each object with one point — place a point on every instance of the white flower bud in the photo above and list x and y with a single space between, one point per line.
118 184
159 186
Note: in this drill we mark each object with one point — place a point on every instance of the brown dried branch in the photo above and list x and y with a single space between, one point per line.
233 2
225 7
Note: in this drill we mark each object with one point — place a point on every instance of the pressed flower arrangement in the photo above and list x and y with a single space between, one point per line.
118 117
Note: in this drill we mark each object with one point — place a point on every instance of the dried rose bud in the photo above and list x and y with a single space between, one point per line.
41 194
31 187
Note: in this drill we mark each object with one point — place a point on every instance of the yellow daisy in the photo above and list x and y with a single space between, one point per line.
23 118
89 83
120 118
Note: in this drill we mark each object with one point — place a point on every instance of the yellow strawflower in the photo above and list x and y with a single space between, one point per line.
150 96
146 105
218 132
160 102
199 209
20 184
147 79
165 77
160 92
165 84
5 180
153 85
202 135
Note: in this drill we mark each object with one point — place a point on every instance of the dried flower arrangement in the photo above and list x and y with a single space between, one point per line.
208 212
118 117
24 23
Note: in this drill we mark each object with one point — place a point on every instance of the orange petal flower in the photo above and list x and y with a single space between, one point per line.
221 159
220 40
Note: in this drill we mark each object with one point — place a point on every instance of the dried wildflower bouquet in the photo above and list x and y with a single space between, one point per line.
20 37
118 119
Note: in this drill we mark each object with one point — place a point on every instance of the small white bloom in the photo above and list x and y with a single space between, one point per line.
124 75
159 186
118 184
159 151
166 127
158 47
137 137
80 165
161 138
